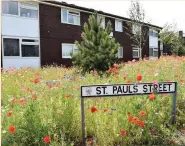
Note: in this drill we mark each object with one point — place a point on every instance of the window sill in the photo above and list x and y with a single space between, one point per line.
118 31
19 57
71 24
17 16
66 57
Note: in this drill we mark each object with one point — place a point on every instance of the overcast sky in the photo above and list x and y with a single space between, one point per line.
158 11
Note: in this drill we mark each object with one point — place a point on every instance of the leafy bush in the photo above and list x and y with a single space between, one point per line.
97 51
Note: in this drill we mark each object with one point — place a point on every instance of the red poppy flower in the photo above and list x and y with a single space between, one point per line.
12 129
128 113
141 123
139 78
47 139
116 72
9 114
13 100
36 74
124 77
22 101
152 96
116 65
135 119
123 132
130 119
68 96
94 109
164 95
36 80
181 80
176 76
128 81
142 113
57 85
105 110
50 86
34 96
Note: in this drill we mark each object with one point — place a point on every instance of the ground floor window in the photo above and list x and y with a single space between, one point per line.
153 52
120 52
136 52
20 47
67 49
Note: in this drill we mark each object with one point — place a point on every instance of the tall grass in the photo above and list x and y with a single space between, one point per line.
51 106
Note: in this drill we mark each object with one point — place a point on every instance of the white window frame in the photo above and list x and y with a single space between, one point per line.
20 47
22 4
103 20
116 25
136 26
136 49
74 47
154 50
151 34
68 10
111 35
120 52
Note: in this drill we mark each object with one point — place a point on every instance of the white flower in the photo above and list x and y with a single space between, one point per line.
156 74
4 131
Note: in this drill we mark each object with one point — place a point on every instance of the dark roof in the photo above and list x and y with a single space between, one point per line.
92 10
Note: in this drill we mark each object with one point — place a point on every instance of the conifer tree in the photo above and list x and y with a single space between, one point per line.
97 51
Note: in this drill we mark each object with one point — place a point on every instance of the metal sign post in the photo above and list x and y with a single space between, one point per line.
127 90
174 102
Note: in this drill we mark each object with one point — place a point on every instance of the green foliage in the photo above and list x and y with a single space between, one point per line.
97 51
169 37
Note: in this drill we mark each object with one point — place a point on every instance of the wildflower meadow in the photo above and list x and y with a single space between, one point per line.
42 106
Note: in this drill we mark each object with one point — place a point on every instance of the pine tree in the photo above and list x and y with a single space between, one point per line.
97 51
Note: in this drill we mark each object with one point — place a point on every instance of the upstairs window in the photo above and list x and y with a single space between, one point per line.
102 18
21 9
70 17
118 26
10 7
153 33
136 29
28 10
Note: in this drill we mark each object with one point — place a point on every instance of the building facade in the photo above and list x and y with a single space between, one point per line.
39 33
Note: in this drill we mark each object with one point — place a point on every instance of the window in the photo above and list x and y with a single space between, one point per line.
111 35
136 29
102 19
118 26
136 52
11 47
30 48
20 9
120 52
153 52
67 49
153 33
10 7
28 10
70 17
20 47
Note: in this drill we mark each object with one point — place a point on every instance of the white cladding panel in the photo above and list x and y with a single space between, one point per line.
19 26
21 62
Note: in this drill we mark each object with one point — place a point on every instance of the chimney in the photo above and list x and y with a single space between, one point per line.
181 34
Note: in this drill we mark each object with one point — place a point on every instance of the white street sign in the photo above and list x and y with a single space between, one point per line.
127 89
